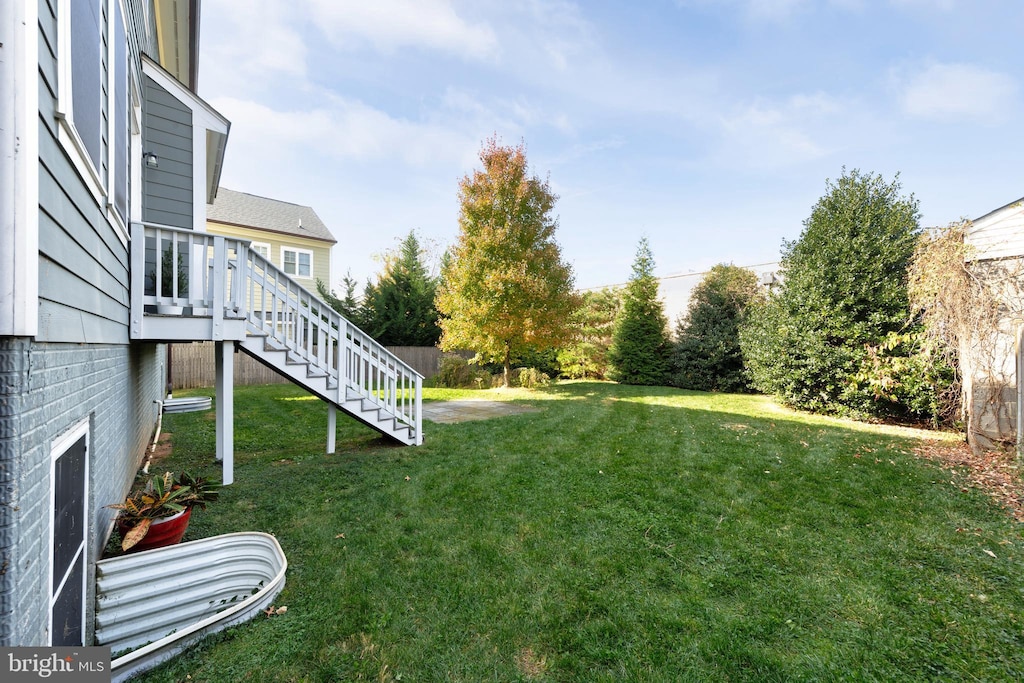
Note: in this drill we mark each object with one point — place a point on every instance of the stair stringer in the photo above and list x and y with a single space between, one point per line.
326 387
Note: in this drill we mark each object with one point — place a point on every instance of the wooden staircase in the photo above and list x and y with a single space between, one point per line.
370 410
231 293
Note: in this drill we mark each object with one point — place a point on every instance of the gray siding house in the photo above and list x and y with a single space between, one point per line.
108 161
79 398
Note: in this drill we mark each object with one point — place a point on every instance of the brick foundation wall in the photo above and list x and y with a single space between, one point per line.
46 389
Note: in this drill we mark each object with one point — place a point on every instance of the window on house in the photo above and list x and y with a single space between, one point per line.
86 78
119 177
298 262
261 248
92 100
69 476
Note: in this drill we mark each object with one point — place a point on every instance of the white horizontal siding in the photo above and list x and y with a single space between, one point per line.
999 234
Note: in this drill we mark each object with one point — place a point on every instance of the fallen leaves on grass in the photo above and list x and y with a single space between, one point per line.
271 611
994 472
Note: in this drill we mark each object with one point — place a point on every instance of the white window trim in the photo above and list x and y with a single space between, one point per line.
135 149
68 135
297 251
113 6
60 446
261 245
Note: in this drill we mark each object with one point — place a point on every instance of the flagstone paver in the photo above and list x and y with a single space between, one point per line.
452 412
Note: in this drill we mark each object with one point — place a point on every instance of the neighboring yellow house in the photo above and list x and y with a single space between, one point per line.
291 236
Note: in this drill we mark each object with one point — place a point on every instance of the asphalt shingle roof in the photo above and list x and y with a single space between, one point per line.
251 211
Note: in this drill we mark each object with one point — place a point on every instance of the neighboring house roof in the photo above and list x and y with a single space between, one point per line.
250 211
1015 204
999 233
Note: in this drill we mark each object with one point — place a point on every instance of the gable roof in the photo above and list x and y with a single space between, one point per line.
251 211
1015 204
999 233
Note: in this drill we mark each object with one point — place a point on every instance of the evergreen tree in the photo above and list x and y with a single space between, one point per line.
844 289
349 305
641 351
586 356
505 290
398 309
706 353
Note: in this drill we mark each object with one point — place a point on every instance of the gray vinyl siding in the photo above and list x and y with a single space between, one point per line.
83 265
167 132
80 366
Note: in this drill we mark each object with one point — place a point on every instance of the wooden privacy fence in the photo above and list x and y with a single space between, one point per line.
192 365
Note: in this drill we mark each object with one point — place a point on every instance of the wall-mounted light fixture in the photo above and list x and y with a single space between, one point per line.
151 159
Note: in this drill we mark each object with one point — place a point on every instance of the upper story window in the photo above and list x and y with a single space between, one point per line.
298 262
93 100
87 76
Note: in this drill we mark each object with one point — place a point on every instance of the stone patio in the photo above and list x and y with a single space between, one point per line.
453 412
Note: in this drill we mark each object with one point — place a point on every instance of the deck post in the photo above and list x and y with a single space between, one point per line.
225 427
419 410
332 427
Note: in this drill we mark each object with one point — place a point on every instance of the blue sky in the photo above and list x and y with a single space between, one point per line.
708 126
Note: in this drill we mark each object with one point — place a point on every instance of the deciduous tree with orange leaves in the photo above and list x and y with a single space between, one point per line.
505 288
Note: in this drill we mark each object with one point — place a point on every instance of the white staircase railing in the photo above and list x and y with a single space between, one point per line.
223 278
298 321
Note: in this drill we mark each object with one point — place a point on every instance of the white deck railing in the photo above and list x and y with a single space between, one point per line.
198 274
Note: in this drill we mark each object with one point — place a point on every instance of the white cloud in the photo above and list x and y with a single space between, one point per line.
347 130
940 5
773 10
249 48
958 92
764 135
389 25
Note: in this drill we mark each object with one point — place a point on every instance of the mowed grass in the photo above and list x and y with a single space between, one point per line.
615 534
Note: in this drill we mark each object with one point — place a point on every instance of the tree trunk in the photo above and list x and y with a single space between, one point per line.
508 365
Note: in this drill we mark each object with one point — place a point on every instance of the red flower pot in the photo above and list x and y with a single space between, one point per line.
163 531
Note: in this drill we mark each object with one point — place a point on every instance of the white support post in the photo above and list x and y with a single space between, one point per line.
332 427
419 411
225 427
220 266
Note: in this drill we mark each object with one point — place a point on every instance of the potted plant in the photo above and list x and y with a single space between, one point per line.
158 513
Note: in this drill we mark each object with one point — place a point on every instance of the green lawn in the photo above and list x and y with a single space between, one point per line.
618 533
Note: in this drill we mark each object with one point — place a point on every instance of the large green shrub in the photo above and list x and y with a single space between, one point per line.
844 290
455 372
706 353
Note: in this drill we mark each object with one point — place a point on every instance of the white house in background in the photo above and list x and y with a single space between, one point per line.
992 381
